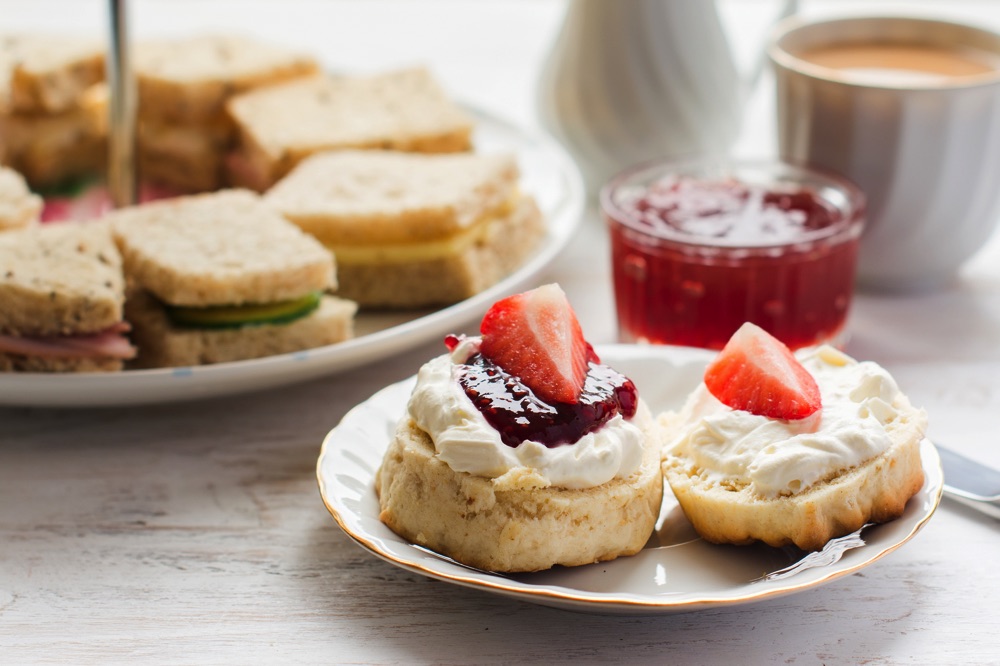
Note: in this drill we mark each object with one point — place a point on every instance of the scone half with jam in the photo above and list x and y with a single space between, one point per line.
411 230
792 449
520 450
221 277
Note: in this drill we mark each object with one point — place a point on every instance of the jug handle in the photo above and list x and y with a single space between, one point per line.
788 8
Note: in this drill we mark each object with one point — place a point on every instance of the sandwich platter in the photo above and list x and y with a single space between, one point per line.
547 173
675 572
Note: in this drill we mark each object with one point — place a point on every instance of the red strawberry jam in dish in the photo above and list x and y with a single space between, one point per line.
698 249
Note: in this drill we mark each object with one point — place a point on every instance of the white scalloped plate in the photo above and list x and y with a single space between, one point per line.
675 572
547 173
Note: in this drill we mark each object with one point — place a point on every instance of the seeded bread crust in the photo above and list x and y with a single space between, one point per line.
406 110
504 244
189 80
501 525
163 345
375 196
876 491
48 73
59 279
19 208
224 248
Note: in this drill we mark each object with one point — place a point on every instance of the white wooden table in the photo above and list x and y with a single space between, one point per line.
193 533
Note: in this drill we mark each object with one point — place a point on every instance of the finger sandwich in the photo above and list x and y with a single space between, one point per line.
221 277
19 208
53 107
43 74
183 84
61 296
412 230
281 125
49 149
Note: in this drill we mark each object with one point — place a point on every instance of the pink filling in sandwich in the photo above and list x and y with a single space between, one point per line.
109 343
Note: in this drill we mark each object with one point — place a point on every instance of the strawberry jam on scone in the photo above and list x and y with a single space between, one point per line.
791 449
520 450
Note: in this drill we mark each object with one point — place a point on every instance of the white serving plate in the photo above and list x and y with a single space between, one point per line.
548 174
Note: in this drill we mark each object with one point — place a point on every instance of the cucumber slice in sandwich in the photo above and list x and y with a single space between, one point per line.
250 314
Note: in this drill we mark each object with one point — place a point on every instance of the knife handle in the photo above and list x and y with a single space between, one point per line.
971 483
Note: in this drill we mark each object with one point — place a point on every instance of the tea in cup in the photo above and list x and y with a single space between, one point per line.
909 109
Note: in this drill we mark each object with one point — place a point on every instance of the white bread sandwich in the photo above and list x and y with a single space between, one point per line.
186 158
221 277
189 80
792 450
61 295
184 131
412 230
47 73
279 126
520 450
49 149
19 208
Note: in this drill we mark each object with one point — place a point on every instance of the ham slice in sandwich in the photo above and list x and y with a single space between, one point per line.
61 300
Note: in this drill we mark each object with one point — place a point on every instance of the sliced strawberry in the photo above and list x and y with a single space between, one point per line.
757 373
535 336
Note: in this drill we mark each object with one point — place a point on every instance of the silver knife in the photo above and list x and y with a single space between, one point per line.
971 483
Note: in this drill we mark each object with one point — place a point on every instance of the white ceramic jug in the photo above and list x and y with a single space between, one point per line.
633 80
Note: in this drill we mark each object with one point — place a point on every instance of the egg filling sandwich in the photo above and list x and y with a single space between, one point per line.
413 230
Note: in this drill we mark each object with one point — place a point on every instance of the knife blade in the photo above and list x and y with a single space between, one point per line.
971 483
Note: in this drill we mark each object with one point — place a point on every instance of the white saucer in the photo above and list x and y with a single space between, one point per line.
676 571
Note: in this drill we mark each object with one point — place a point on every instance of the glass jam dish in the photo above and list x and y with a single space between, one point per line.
698 248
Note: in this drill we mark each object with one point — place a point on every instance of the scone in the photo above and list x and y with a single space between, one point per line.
792 450
520 451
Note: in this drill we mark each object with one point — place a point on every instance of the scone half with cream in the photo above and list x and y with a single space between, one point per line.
792 449
520 451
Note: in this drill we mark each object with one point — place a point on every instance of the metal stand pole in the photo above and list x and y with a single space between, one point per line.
122 181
